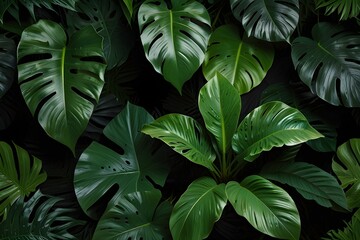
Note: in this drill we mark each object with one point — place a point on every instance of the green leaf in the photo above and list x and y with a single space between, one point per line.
329 64
267 207
174 37
185 136
49 4
61 82
4 6
348 171
244 62
38 219
20 174
131 165
269 20
220 106
105 17
198 208
138 215
7 64
311 182
350 232
346 9
273 124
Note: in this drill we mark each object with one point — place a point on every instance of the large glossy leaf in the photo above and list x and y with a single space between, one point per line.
20 174
267 207
273 124
138 215
243 61
329 64
105 17
38 219
131 165
348 170
7 63
270 20
310 181
198 208
220 106
185 136
61 81
174 37
346 9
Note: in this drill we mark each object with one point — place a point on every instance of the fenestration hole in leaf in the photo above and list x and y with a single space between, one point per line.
33 77
110 144
97 59
287 3
315 76
42 102
338 91
352 60
258 60
34 57
98 208
83 95
154 41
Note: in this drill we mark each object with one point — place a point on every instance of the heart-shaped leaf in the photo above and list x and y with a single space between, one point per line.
273 124
270 20
243 61
174 36
329 64
7 63
267 207
61 81
198 208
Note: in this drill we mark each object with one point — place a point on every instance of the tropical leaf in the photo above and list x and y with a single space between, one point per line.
61 82
49 4
350 232
198 208
37 219
220 106
267 207
346 9
348 170
273 124
270 20
243 61
9 107
174 37
138 215
128 9
105 17
4 6
310 181
132 164
185 136
329 64
20 174
7 64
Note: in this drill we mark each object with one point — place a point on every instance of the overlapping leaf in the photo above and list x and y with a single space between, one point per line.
346 9
7 63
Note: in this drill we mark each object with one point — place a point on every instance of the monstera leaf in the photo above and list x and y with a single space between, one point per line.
273 124
137 216
174 36
346 9
105 17
329 64
348 170
132 164
36 219
267 207
198 208
20 174
61 82
244 62
7 63
269 20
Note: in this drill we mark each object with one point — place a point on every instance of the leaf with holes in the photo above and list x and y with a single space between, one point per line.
244 62
61 82
174 37
270 20
273 124
133 162
329 64
346 9
7 64
105 17
138 215
20 174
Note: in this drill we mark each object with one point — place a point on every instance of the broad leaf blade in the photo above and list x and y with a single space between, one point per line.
267 207
7 64
61 87
243 61
269 20
185 136
137 216
174 39
220 106
273 124
198 209
310 181
329 64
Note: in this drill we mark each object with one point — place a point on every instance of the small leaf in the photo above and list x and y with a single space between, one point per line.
346 9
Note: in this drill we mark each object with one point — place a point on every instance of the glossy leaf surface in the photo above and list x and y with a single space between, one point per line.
346 9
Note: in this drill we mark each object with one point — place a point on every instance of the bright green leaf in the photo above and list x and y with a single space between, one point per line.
346 9
7 64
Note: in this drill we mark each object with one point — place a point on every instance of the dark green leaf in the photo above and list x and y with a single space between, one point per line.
4 6
346 9
49 4
7 63
350 232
